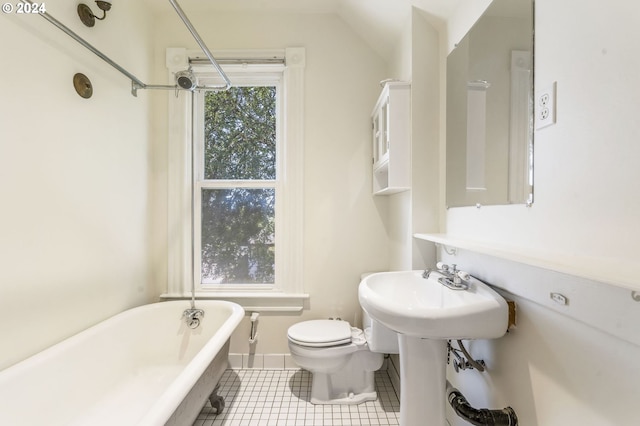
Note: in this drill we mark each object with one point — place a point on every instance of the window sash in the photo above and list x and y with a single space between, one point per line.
198 123
197 232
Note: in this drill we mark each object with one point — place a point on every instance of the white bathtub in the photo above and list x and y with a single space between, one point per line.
141 367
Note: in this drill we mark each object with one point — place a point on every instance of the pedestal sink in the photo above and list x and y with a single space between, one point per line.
425 314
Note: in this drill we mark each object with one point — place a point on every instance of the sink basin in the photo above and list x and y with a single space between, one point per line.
425 314
409 304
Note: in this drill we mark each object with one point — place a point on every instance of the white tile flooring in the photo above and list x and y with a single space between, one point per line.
256 397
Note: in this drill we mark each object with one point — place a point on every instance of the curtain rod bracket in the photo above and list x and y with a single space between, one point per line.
135 86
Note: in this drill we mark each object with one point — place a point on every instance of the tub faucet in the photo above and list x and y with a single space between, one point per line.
192 317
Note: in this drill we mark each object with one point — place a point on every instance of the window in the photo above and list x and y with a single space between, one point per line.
235 184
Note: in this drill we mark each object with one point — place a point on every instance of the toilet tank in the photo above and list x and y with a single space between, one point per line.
379 338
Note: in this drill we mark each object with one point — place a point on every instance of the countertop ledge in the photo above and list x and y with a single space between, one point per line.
615 272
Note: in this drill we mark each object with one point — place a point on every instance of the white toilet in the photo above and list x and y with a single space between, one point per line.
341 358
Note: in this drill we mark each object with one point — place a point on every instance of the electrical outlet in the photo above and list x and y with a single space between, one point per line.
545 106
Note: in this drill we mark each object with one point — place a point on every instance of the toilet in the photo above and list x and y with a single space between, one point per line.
342 359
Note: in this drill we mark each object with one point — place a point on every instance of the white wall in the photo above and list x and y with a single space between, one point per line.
417 209
74 222
568 365
344 226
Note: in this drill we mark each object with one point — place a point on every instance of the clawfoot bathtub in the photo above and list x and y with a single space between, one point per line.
144 366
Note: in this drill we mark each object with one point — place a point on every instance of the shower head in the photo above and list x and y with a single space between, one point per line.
186 80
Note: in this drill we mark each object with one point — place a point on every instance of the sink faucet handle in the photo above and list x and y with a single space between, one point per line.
464 276
459 277
442 267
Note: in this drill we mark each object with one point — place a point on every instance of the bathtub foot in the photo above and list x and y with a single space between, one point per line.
217 402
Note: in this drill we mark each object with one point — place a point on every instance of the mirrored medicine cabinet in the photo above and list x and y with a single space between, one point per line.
490 109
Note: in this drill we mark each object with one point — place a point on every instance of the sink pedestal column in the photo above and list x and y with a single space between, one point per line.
423 381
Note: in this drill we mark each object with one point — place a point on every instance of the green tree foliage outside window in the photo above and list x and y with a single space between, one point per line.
238 223
240 133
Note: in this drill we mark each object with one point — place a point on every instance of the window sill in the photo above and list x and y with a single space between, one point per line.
251 301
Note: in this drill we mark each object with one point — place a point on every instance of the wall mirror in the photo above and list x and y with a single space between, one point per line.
490 109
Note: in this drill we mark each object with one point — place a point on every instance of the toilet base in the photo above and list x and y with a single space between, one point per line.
348 400
349 389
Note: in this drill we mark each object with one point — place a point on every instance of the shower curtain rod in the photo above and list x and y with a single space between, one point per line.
136 83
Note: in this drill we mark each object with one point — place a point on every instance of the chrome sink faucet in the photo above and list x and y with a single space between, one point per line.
452 277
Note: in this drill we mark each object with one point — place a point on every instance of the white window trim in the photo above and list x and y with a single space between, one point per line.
290 297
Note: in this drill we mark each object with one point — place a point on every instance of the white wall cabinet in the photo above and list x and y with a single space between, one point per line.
391 120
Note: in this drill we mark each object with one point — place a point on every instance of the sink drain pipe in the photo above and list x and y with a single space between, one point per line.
479 417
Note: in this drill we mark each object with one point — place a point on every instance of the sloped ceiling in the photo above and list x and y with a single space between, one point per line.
378 22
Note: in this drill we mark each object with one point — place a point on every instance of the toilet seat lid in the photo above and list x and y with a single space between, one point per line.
320 333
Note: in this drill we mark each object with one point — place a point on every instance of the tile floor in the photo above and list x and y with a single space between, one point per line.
255 397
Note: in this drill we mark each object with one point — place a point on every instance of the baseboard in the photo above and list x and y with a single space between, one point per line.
262 361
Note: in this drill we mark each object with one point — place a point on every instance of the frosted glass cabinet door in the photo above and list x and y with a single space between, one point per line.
376 137
384 136
380 132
